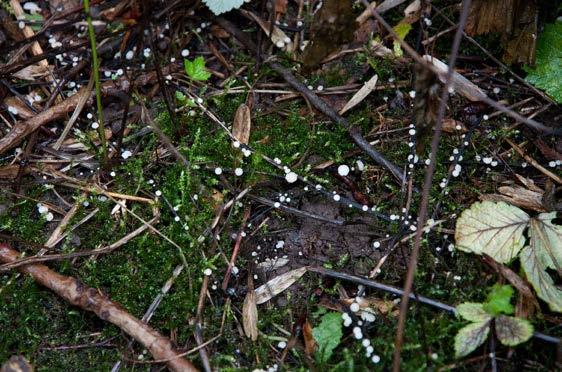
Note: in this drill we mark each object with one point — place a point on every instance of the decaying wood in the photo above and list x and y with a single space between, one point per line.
91 299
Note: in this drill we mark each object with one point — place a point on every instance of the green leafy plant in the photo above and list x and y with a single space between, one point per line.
328 335
510 330
402 29
548 71
196 69
497 229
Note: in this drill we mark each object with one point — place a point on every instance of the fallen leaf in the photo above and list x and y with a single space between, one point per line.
242 124
544 253
278 37
270 265
309 342
277 285
358 97
16 363
492 228
473 312
519 196
250 316
453 126
23 111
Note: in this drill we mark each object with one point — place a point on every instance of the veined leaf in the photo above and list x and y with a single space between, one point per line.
492 228
548 71
513 331
470 337
196 69
544 252
328 335
223 6
473 311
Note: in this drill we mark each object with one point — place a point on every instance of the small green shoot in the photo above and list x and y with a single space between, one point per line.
196 69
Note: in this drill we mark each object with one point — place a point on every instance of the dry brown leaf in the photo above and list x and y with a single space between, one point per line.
309 342
453 126
529 183
275 264
461 84
242 124
32 72
278 37
360 95
23 111
250 316
281 6
519 196
23 128
277 285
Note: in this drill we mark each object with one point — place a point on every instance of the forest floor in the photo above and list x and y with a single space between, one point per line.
235 177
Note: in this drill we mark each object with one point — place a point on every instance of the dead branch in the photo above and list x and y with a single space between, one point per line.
91 299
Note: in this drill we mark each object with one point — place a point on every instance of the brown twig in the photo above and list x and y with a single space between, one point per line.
427 182
91 299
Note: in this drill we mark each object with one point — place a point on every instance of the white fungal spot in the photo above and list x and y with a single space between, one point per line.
337 197
291 177
218 171
238 171
129 55
282 345
49 217
343 170
376 359
126 154
412 94
357 333
158 193
95 125
13 110
277 204
207 272
376 244
354 307
184 53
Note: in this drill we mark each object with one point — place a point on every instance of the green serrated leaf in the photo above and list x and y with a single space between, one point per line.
473 311
499 300
548 71
543 253
512 331
196 69
328 335
402 29
470 337
492 228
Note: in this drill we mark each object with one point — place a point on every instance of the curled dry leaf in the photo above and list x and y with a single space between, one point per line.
23 111
277 285
461 84
270 265
278 37
242 124
358 97
250 316
518 196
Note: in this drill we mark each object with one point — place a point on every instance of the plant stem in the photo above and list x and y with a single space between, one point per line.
96 76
